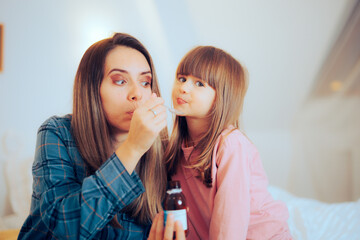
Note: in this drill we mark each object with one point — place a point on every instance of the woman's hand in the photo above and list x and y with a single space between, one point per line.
157 231
146 123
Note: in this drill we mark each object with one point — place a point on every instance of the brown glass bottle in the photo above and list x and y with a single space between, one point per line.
175 203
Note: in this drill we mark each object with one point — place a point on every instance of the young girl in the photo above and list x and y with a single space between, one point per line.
219 168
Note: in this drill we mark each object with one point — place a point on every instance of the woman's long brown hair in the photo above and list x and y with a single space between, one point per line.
229 79
92 132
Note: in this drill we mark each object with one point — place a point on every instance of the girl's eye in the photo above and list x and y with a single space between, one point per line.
182 79
199 84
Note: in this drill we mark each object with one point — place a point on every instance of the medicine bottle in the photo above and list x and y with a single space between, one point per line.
175 203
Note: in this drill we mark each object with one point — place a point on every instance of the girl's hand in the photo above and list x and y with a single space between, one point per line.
157 231
146 123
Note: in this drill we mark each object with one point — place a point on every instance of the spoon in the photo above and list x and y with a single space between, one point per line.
173 110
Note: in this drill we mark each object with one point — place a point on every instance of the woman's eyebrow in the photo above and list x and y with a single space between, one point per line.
118 70
146 72
124 71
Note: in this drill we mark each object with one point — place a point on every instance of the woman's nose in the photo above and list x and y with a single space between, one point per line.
135 93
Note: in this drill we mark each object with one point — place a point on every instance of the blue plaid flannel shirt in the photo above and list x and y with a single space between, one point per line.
68 204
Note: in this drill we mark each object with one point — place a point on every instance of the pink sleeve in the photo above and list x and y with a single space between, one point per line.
231 211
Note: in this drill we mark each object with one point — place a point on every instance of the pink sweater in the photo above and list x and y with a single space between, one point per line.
238 205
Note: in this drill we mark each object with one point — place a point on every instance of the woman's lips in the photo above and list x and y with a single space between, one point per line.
180 101
130 113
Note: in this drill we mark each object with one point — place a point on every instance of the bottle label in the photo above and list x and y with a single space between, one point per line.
179 215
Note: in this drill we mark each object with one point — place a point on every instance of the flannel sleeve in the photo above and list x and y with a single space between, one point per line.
73 209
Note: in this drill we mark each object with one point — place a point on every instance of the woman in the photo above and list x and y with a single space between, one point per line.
92 167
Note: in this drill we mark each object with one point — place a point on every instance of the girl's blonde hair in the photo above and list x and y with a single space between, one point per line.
229 79
92 131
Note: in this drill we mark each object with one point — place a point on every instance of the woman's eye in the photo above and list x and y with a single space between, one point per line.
182 79
120 82
199 84
145 84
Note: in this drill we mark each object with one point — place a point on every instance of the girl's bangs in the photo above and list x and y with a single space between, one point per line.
198 64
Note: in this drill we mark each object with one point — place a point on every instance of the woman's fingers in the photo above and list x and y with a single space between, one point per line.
157 228
160 226
169 227
152 234
152 102
149 115
158 114
172 227
180 233
154 107
146 123
158 110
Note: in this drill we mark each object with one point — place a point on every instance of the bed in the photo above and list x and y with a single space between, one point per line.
313 220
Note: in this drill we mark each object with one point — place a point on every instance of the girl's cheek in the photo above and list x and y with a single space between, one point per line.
173 95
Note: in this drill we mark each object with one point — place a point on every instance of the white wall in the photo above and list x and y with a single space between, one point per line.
283 44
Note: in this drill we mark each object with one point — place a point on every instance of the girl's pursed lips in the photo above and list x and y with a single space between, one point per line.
180 100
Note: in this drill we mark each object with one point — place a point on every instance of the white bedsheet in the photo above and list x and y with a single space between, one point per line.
312 220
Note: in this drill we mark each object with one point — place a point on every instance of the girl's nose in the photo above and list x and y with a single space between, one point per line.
185 87
134 93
